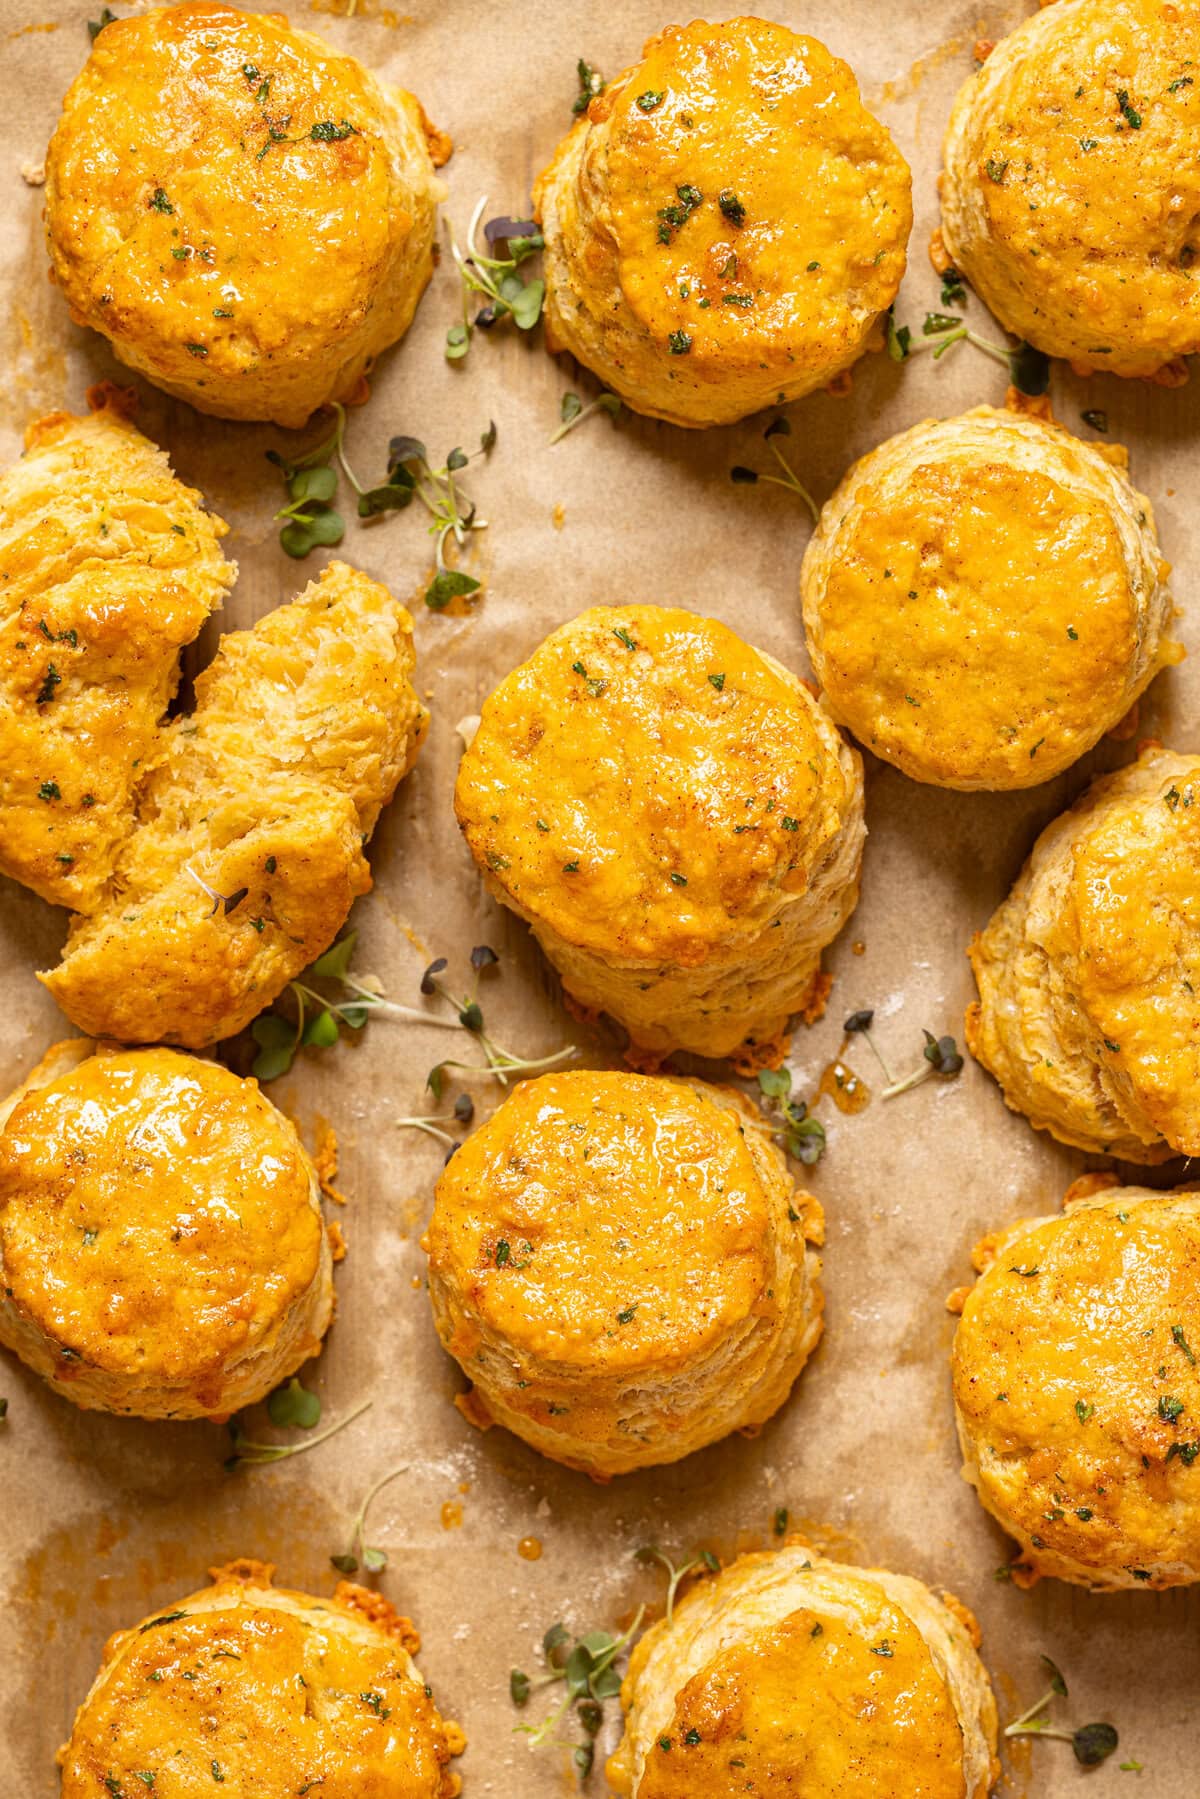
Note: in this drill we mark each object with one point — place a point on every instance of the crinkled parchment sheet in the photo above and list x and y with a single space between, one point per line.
106 1519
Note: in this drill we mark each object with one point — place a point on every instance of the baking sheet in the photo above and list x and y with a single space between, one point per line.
106 1519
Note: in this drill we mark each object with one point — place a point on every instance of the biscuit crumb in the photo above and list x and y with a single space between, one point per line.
325 1161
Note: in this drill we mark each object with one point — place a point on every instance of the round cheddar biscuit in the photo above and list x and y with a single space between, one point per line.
984 598
247 216
268 1692
619 1263
1071 191
162 1247
725 226
675 817
790 1672
1089 973
1077 1390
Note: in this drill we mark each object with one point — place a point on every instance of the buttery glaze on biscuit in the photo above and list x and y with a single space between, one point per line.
619 1263
984 598
248 847
790 1672
1071 190
162 1248
1077 1391
677 820
1089 973
246 215
725 226
108 566
268 1692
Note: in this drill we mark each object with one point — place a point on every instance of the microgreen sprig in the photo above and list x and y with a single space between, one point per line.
749 477
703 1559
802 1135
940 1057
501 1062
495 277
248 1454
360 1554
1029 369
586 1666
858 1024
310 519
319 1019
411 476
464 1111
1091 1743
572 411
311 481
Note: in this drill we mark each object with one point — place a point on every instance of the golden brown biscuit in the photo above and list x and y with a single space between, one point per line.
1072 184
108 566
267 1691
789 1672
619 1263
1077 1390
984 598
725 226
248 848
247 216
674 816
162 1247
1089 973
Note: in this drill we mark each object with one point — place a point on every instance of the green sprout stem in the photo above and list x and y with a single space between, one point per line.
538 1733
499 1061
1023 1725
604 402
908 1082
431 1127
875 1051
257 1454
790 480
674 1575
358 1554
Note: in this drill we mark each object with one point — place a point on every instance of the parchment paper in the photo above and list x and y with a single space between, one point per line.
106 1519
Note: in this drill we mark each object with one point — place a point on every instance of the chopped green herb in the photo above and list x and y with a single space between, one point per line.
1132 117
591 83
